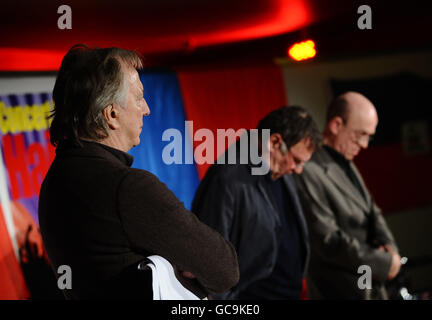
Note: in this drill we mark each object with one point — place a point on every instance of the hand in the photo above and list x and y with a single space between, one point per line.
388 248
187 274
396 261
395 266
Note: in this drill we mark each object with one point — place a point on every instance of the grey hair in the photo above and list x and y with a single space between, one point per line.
88 81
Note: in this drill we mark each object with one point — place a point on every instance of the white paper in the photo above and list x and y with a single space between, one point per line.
165 284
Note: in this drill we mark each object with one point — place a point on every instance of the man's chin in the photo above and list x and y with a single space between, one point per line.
350 157
276 176
136 143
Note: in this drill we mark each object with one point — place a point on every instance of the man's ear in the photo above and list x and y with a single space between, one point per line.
335 125
275 141
111 115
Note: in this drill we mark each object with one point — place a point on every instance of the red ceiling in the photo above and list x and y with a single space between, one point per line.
31 41
150 26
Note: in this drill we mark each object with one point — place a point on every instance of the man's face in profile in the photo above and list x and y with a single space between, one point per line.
352 132
288 161
355 134
134 108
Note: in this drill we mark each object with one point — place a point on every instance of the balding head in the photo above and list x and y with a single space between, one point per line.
351 120
358 106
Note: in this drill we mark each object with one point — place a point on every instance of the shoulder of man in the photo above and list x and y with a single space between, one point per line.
318 161
230 173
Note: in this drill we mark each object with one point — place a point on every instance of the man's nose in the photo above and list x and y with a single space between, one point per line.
291 168
364 143
146 109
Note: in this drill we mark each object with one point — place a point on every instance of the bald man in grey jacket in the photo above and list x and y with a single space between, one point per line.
348 235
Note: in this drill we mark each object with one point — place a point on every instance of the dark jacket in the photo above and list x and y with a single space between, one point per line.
237 204
101 217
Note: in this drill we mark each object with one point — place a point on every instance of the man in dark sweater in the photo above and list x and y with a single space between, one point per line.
98 215
261 214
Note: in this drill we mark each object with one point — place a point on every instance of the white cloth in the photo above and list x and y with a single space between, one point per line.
165 284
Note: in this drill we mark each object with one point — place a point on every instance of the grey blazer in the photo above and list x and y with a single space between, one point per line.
345 230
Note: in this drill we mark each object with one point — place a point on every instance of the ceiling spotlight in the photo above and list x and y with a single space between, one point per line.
302 50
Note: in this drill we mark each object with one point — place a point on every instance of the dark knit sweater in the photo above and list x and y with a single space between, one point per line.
101 217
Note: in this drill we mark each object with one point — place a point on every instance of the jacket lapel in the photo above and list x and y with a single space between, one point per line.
363 185
339 178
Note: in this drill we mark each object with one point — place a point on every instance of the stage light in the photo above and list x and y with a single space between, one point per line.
303 50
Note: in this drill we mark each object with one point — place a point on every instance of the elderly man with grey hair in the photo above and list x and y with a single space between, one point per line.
98 215
347 231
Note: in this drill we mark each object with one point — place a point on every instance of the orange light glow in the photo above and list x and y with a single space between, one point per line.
302 51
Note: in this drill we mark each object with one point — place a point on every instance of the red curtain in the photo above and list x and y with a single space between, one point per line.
224 98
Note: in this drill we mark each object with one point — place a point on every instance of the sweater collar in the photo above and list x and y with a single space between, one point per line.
337 157
124 157
92 148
